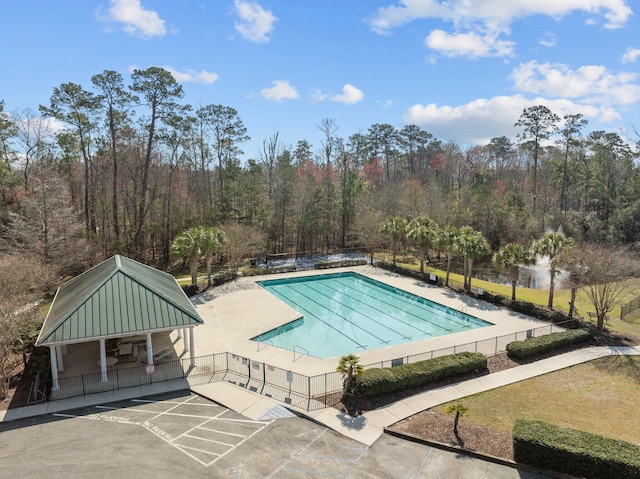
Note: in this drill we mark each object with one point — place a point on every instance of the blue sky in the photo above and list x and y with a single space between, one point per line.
462 70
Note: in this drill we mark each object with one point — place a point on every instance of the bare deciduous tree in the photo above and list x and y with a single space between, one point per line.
23 279
603 271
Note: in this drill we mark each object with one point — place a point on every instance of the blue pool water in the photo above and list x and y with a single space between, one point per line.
347 313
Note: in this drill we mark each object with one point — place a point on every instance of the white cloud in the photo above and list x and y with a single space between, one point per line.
350 95
136 20
488 12
281 90
631 55
470 44
478 24
593 84
547 39
255 23
192 76
480 120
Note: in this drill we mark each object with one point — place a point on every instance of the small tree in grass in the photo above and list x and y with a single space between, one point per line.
350 369
604 275
459 410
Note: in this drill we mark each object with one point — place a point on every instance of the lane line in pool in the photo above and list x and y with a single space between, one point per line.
416 299
425 320
325 322
382 341
343 304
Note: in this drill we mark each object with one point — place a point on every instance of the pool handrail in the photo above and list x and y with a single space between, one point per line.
299 347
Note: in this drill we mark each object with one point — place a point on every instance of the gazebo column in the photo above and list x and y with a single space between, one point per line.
59 358
103 361
191 348
54 368
184 335
149 349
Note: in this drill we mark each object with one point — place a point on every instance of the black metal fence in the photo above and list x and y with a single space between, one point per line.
627 308
306 392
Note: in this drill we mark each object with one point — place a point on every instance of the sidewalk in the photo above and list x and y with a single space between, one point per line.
366 428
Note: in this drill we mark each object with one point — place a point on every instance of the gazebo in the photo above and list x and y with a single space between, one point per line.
120 303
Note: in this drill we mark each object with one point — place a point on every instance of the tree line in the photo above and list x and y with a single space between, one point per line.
134 167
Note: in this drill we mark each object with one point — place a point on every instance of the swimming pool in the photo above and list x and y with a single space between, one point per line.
345 313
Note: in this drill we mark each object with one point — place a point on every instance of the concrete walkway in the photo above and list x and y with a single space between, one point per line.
366 428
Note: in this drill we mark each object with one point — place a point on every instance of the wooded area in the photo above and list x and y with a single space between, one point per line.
134 167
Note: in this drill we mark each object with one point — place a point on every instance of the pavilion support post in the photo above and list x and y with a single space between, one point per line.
180 333
54 368
59 359
103 361
149 349
191 348
184 335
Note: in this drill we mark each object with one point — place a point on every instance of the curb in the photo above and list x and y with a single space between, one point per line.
477 455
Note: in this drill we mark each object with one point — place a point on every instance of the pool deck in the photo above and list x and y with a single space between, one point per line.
235 312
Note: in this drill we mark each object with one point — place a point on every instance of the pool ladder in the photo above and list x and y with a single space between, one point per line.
262 344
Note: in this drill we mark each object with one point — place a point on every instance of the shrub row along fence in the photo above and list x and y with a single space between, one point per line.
305 392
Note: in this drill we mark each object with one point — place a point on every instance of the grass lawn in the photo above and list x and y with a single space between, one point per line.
561 297
601 396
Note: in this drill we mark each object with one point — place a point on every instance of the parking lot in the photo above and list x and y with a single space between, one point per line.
182 435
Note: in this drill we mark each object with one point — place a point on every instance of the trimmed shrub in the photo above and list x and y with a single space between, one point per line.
377 381
574 452
259 270
542 344
339 264
190 289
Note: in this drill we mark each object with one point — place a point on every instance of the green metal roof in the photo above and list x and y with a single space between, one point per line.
118 297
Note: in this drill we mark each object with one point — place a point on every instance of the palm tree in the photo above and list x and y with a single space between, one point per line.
461 246
351 369
212 240
477 247
421 231
511 257
395 227
188 246
471 245
459 410
551 245
445 241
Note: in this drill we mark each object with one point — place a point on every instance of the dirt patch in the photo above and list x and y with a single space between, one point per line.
436 427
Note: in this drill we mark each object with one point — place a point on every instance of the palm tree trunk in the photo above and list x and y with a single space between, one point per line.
469 273
513 289
446 280
552 287
572 303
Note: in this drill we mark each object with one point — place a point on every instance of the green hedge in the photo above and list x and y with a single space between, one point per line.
190 289
339 264
377 381
574 452
259 270
542 344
